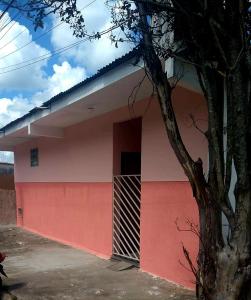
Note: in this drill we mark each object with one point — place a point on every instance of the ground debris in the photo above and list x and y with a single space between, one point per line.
7 296
40 269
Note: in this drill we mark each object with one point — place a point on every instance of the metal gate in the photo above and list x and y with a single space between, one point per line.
126 216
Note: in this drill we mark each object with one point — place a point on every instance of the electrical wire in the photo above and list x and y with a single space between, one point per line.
3 20
11 26
4 11
58 51
47 57
9 21
43 34
13 39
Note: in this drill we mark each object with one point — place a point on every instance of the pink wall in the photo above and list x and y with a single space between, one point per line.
78 214
84 155
158 159
68 197
163 204
86 152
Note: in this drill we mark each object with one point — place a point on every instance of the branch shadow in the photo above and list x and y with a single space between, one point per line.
13 287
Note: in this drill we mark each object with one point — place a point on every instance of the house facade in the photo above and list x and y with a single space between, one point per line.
94 169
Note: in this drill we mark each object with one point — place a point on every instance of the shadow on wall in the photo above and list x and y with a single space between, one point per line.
7 194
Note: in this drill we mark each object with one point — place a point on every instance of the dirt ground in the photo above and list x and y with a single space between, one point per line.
42 269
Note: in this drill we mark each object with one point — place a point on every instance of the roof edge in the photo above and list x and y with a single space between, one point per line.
135 53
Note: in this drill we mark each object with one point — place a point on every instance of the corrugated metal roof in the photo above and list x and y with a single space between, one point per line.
134 53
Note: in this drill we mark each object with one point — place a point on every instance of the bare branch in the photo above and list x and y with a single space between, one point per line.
218 43
196 126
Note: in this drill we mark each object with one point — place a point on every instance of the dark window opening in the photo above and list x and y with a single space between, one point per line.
130 163
34 157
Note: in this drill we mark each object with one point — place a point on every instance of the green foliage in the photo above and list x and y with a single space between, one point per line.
38 10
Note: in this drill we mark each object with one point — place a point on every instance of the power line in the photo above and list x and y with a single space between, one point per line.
5 25
60 50
9 21
43 34
25 45
4 20
15 37
6 9
13 24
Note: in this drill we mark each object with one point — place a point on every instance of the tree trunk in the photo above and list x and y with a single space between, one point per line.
224 265
223 271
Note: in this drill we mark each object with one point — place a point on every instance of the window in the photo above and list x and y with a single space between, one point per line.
34 157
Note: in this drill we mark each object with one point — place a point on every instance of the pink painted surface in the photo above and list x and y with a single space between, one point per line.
68 197
161 243
85 154
78 214
159 162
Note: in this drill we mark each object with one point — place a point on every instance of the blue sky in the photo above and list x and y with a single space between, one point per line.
22 88
27 87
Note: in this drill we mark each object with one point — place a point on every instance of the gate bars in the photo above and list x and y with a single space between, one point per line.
126 216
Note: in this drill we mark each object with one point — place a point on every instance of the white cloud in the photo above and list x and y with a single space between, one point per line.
5 102
89 57
97 53
63 78
30 78
11 109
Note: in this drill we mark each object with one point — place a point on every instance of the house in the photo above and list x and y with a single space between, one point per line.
98 173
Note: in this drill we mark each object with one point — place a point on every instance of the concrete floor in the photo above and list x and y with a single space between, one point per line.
42 269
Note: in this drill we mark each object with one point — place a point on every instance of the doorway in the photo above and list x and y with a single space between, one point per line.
127 189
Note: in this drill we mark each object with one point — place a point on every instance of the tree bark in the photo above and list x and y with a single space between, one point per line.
224 266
